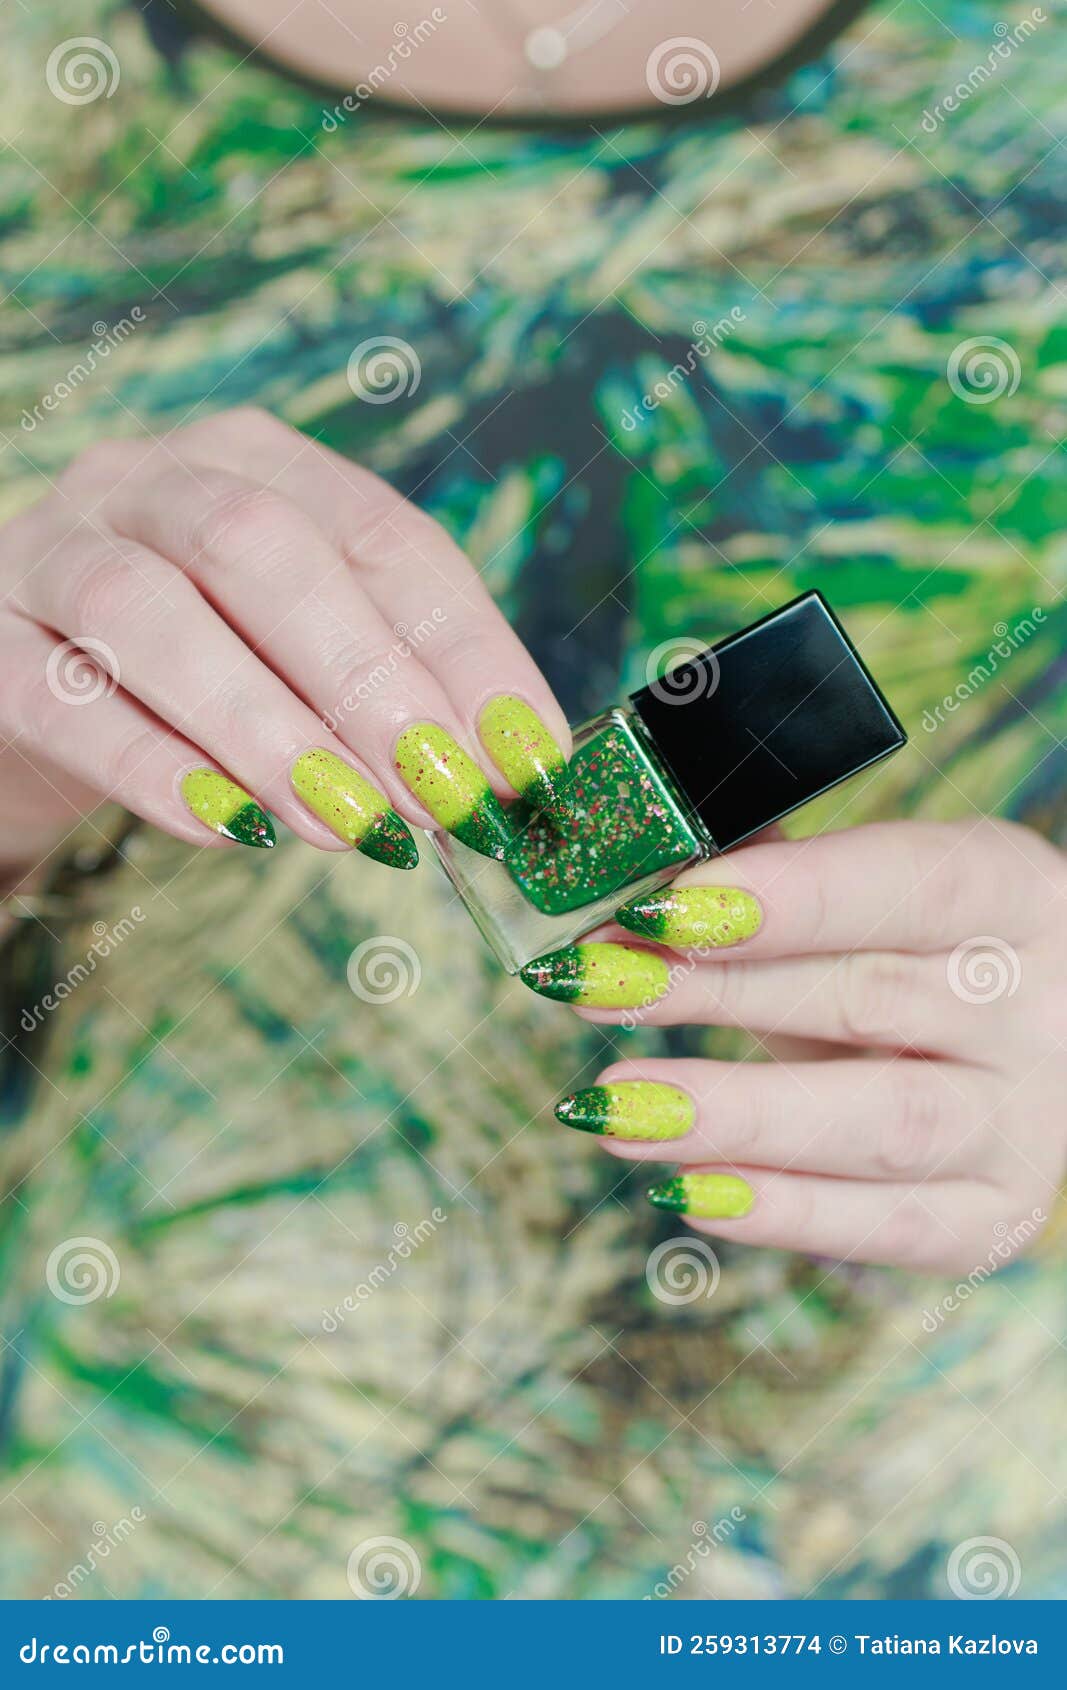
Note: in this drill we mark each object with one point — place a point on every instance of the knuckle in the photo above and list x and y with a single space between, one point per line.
359 670
242 524
910 1141
871 991
906 1236
466 645
101 464
133 757
108 583
388 529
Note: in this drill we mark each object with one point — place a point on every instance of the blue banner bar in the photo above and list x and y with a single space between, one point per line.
537 1643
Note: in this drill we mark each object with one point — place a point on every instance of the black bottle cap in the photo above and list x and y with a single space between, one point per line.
767 719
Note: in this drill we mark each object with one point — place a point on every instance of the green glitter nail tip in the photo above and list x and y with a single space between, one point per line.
693 916
389 841
599 976
707 1197
226 808
638 1110
452 787
524 751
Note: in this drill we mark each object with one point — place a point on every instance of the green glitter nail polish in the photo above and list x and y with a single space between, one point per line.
353 809
643 1111
599 976
226 808
707 1197
698 761
452 787
693 917
524 751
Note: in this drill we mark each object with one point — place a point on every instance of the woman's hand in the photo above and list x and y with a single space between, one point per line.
935 1139
268 627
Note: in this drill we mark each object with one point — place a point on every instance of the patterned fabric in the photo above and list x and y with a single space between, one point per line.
361 1285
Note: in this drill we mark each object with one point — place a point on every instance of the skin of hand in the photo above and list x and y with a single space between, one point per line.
927 1129
232 620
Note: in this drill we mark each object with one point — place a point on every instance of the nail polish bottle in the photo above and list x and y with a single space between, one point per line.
691 765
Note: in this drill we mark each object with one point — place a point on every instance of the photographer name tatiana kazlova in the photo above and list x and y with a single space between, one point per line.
952 1645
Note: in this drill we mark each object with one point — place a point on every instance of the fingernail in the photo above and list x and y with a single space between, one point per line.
631 1109
452 787
524 751
693 915
710 1197
226 808
600 976
353 809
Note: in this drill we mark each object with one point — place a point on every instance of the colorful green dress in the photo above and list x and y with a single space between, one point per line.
345 1279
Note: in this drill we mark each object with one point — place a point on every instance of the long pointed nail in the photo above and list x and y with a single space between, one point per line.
599 976
353 809
630 1109
452 787
708 1197
226 808
693 915
525 752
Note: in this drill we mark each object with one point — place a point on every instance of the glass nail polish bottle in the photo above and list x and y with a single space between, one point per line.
691 765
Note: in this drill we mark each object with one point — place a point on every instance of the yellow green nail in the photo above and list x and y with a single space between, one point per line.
716 916
524 751
599 976
450 785
630 1109
708 1197
353 809
226 808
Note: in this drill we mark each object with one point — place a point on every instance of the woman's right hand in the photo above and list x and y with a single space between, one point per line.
235 587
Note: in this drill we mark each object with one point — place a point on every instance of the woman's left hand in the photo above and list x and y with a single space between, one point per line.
934 954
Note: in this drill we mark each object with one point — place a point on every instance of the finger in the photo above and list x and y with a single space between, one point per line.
905 886
426 589
62 703
183 661
930 1227
270 571
861 1120
886 1000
